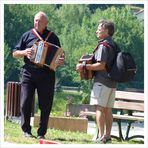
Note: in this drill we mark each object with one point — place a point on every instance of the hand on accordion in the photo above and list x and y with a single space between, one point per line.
61 59
29 52
79 67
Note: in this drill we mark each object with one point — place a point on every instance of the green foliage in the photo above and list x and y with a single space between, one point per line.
85 98
61 99
12 67
75 24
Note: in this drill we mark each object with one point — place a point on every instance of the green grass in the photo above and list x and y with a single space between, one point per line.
60 101
13 134
63 98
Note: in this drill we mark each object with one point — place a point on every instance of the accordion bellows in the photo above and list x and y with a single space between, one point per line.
46 54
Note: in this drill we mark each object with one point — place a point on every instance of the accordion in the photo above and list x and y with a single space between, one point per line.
86 74
46 54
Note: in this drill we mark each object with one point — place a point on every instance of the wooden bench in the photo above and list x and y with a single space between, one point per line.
128 107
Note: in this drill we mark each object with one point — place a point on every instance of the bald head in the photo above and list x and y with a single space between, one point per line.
41 14
40 21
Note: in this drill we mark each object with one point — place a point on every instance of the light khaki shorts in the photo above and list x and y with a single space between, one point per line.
102 95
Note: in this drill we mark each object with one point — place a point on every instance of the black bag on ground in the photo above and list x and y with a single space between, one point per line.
123 67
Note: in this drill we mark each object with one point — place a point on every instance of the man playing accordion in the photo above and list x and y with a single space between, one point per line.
37 77
103 91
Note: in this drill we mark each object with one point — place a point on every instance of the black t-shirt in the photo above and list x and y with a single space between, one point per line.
29 38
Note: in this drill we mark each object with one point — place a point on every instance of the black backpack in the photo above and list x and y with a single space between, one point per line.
122 68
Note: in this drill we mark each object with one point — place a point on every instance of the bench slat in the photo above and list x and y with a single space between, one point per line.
127 117
115 116
131 96
129 106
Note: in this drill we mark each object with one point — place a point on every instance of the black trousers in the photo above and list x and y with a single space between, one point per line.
43 80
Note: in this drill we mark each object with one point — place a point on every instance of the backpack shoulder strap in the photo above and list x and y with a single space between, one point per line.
106 44
115 47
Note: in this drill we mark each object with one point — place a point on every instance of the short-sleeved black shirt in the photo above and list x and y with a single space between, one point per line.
104 54
29 38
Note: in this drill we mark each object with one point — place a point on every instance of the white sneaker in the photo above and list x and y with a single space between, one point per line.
95 137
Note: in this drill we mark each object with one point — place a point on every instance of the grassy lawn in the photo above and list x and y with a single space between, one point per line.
13 132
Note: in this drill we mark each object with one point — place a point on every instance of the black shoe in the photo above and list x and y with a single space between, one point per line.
28 135
40 137
107 140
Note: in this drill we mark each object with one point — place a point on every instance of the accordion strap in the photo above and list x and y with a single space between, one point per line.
49 34
36 33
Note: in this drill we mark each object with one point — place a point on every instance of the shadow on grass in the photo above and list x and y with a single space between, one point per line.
72 140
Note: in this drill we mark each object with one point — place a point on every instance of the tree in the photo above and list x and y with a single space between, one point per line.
75 25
